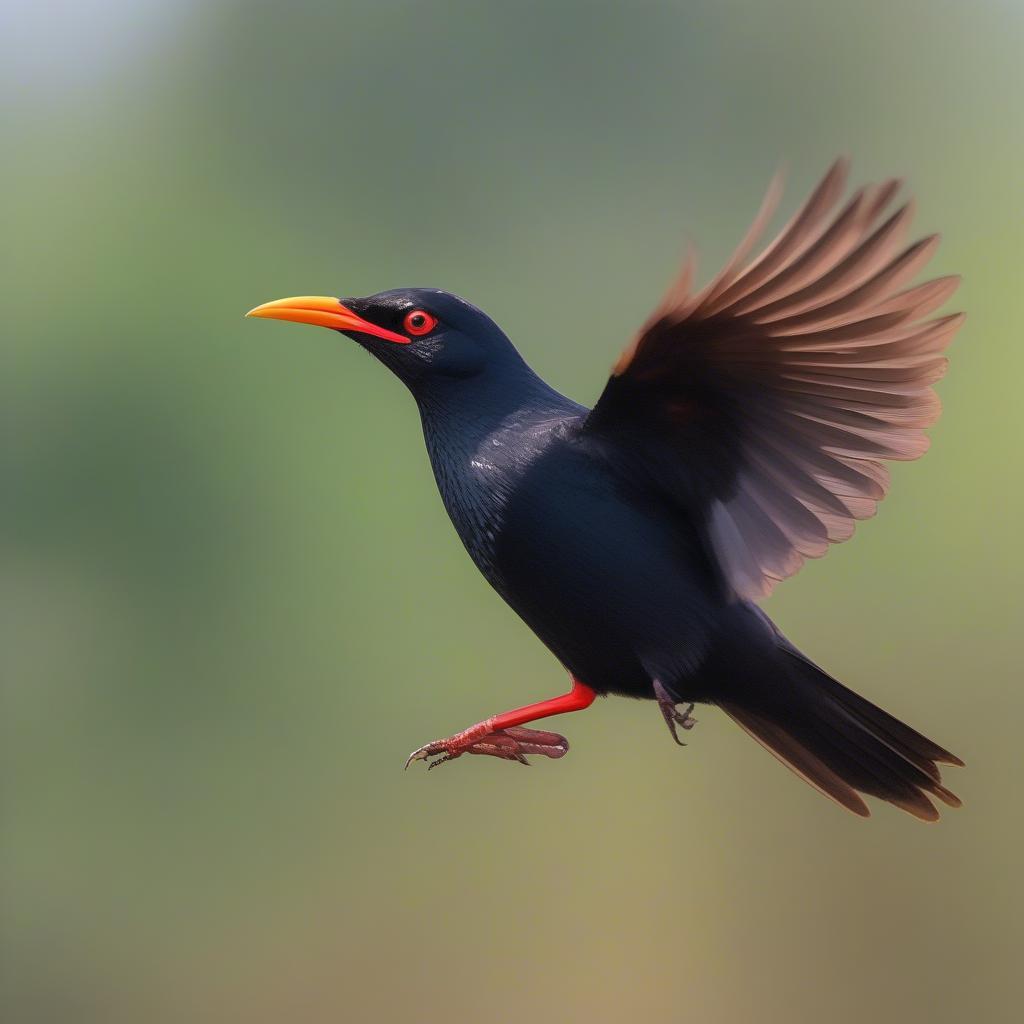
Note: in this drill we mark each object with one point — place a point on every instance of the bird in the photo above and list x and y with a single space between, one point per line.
745 428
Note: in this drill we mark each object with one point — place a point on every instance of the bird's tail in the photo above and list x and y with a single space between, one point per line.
841 743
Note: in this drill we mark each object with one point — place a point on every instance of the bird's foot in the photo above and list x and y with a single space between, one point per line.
508 744
670 711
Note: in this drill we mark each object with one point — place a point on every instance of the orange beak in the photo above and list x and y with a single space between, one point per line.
324 311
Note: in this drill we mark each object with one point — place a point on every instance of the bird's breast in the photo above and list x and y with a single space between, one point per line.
478 477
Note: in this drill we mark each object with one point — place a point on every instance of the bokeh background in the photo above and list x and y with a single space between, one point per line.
231 599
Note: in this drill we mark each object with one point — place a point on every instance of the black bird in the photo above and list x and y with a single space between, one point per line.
743 430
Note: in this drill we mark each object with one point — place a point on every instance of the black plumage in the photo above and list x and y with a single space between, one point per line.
744 430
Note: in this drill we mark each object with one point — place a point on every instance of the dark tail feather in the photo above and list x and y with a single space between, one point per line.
841 743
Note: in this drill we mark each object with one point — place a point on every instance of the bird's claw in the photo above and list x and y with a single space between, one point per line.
673 716
507 744
432 749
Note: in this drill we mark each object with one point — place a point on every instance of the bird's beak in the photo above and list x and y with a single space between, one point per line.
323 311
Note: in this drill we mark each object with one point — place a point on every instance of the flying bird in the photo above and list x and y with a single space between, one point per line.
744 429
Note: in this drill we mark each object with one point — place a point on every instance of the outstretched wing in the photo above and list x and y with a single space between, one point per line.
772 398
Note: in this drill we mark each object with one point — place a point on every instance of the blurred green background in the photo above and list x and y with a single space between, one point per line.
232 601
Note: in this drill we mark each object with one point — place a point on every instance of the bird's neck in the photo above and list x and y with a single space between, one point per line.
460 413
482 434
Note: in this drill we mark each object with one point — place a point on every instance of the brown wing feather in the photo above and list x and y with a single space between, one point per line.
794 377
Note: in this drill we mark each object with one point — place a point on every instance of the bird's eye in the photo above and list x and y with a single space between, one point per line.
419 322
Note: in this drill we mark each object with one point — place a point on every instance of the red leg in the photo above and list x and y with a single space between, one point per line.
500 736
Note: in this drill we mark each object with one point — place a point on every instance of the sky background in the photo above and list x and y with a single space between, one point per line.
231 601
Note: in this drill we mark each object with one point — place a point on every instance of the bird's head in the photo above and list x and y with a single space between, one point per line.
422 334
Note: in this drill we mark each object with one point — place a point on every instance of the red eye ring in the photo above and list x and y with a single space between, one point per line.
418 322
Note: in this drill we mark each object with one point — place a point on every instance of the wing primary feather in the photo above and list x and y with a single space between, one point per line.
788 243
816 260
727 274
867 259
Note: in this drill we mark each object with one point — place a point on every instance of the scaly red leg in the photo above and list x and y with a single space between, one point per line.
499 735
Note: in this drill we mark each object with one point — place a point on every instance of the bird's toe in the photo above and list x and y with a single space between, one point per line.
429 750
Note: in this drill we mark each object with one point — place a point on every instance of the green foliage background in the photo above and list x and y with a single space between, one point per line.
232 601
